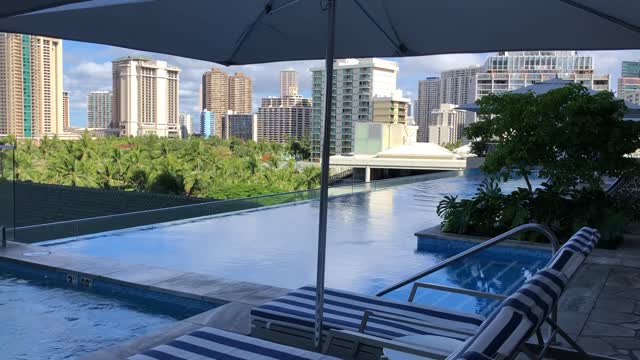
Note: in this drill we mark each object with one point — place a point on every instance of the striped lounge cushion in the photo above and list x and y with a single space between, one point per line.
210 343
583 241
344 311
567 262
518 316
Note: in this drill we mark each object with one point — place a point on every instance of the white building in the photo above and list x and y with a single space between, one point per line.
357 81
145 97
99 109
458 86
448 124
280 119
186 125
512 70
288 83
428 100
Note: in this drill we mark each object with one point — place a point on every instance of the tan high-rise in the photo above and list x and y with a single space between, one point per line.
65 110
145 97
31 104
240 93
288 83
215 95
222 92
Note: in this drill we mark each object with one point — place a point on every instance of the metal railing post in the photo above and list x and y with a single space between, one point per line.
3 236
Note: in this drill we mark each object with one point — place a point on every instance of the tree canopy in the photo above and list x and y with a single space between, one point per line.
213 167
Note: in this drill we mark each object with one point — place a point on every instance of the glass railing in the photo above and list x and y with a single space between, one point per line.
74 228
7 192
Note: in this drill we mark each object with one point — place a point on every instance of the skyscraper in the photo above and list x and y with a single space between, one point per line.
629 82
145 97
428 100
458 86
280 119
512 70
221 93
215 94
357 81
99 113
65 110
288 83
240 93
31 95
186 125
241 126
207 124
391 109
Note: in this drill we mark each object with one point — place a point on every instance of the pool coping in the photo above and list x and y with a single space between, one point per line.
231 300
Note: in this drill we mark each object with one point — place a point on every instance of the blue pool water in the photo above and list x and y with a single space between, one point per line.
371 244
41 321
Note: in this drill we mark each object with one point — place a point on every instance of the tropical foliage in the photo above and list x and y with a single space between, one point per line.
212 168
569 137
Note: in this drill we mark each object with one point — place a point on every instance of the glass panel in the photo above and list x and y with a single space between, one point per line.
7 190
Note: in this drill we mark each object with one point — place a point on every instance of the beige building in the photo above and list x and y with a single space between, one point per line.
215 95
240 93
145 97
65 110
448 123
288 83
282 118
390 110
31 95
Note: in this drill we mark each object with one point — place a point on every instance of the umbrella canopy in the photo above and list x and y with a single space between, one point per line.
258 31
543 87
233 32
18 7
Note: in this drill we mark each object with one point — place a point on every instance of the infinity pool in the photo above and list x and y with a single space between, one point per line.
40 321
371 244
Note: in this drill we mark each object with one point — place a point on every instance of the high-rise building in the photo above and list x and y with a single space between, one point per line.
391 109
240 93
629 82
509 70
186 125
458 86
428 100
99 113
448 124
31 95
215 94
221 93
241 126
356 82
65 110
280 119
145 97
288 83
207 124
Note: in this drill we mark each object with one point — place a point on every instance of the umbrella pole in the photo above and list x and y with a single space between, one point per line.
324 178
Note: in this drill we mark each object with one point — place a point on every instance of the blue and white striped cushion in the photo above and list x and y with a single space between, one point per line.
583 241
567 262
537 297
344 311
504 333
210 343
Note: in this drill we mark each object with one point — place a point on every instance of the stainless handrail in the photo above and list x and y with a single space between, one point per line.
555 245
7 147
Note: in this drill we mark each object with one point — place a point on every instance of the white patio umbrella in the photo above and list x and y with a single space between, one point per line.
232 32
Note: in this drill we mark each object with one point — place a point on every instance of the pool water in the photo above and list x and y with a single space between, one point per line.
40 321
371 245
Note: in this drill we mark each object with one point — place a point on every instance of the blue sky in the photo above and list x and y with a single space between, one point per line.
87 67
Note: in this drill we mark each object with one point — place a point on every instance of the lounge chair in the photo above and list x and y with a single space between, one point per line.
211 343
290 319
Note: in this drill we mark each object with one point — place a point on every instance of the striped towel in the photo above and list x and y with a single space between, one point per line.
583 241
344 311
210 343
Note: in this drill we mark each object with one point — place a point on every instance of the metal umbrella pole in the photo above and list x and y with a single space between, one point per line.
324 178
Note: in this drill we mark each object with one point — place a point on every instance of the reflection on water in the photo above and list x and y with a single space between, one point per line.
371 244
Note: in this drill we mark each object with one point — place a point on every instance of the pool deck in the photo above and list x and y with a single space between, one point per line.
601 307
